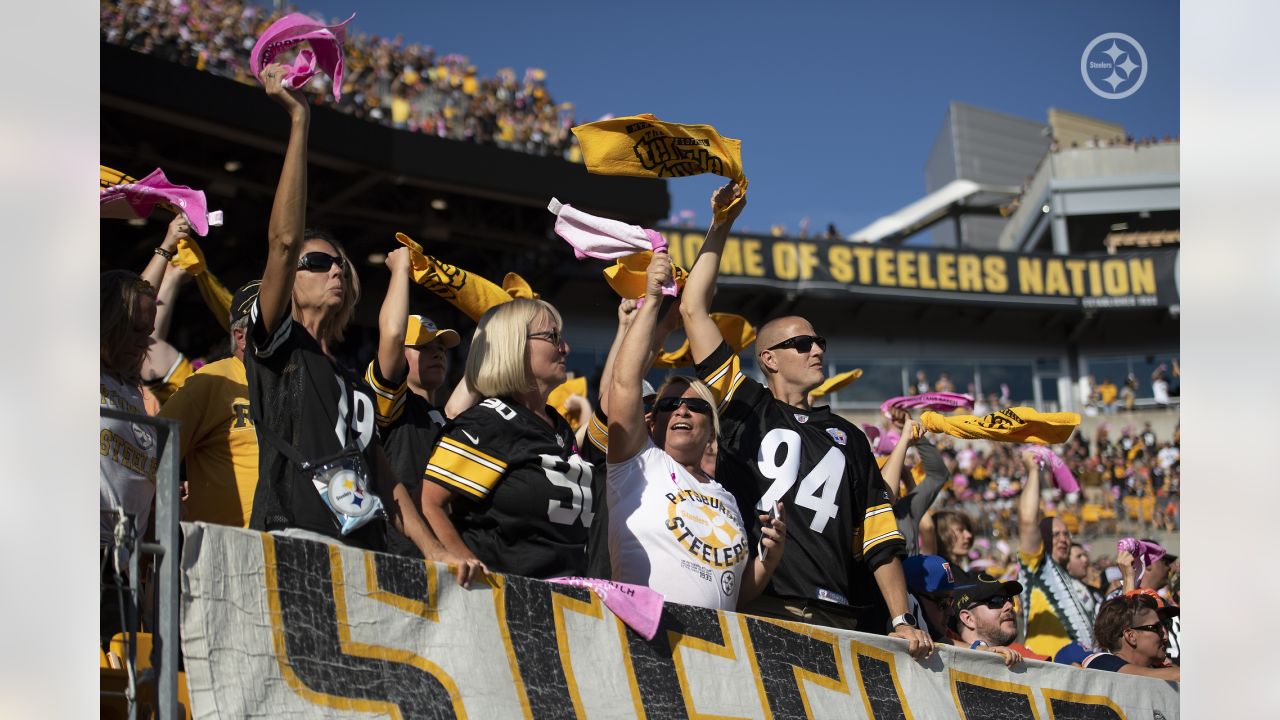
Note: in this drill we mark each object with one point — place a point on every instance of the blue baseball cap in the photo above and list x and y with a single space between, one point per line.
1072 654
928 574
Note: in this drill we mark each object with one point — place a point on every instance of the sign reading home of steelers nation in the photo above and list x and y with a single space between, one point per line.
1132 280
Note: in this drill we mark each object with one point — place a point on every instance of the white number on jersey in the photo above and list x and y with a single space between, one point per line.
817 490
574 474
362 423
499 407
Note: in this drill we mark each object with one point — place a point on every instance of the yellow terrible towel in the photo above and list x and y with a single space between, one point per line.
1015 424
627 276
834 383
559 398
466 291
216 296
735 330
644 146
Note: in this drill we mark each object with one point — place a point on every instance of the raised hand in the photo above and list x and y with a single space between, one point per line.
723 197
273 81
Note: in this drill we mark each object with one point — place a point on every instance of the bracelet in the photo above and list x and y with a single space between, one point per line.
976 644
166 254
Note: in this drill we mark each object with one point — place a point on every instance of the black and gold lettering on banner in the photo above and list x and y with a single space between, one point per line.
1073 706
528 606
783 658
877 677
656 665
314 650
980 698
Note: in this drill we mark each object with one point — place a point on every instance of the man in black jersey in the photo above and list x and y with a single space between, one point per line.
774 446
410 367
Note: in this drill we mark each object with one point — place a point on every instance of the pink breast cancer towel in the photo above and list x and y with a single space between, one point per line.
636 605
325 51
605 239
882 443
1144 553
137 200
937 401
1062 476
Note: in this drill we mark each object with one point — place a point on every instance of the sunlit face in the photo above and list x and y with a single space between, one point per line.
1078 563
961 541
683 433
994 625
320 289
546 351
803 370
1061 542
1149 643
428 365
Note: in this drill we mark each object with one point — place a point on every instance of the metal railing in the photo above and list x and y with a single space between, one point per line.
165 549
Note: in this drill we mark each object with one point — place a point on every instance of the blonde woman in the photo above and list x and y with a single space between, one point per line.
505 487
674 528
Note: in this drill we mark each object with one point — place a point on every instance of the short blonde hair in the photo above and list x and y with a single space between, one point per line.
497 364
701 390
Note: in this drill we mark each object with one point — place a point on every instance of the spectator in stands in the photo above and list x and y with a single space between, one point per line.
985 620
922 383
709 565
409 368
931 581
1129 392
953 535
501 464
315 418
128 450
1131 637
218 441
911 509
1054 613
944 383
1107 393
1160 385
1078 567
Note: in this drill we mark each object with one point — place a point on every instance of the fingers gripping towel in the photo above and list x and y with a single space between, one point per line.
1144 553
1015 424
325 51
644 146
628 276
466 291
606 239
1062 476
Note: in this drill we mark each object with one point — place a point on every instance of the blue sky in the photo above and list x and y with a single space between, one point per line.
837 104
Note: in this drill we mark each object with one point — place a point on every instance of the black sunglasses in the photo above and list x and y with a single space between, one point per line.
552 336
1157 628
669 404
995 602
802 343
318 261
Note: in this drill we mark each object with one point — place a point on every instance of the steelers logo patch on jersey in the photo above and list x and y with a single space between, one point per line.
838 435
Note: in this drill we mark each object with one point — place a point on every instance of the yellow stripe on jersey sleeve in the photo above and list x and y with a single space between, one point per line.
464 468
388 400
878 527
598 434
724 380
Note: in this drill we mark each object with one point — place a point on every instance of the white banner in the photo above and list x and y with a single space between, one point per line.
279 627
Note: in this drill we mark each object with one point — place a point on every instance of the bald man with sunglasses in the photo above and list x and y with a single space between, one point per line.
775 447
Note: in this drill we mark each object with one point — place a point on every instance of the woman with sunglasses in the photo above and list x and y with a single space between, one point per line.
1133 638
322 469
505 486
673 527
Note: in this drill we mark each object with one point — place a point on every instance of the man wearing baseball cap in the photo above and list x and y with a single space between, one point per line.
410 367
217 439
985 620
930 585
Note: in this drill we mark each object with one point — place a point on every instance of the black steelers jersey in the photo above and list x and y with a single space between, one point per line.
819 466
595 451
314 405
410 426
523 495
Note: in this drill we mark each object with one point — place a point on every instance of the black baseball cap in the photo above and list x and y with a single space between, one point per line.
242 301
973 589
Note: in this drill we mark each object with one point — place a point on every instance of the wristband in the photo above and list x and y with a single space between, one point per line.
977 644
166 254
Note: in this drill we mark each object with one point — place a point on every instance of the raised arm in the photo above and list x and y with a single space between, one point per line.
700 286
935 476
288 211
393 317
161 356
627 431
892 470
626 313
154 273
1029 506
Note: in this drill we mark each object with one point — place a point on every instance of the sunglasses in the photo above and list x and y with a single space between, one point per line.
1157 628
802 343
318 261
552 336
669 404
995 602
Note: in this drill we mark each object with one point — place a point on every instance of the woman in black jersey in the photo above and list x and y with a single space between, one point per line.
321 466
505 483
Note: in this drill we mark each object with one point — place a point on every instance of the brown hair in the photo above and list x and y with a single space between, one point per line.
945 525
1117 615
119 294
350 288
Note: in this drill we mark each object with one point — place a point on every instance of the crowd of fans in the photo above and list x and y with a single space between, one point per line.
716 489
405 85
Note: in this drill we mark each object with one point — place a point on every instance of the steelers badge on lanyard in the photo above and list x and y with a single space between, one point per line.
349 493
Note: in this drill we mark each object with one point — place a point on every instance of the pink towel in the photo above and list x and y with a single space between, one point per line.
137 200
1062 476
326 49
636 605
605 239
882 443
938 401
1144 553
